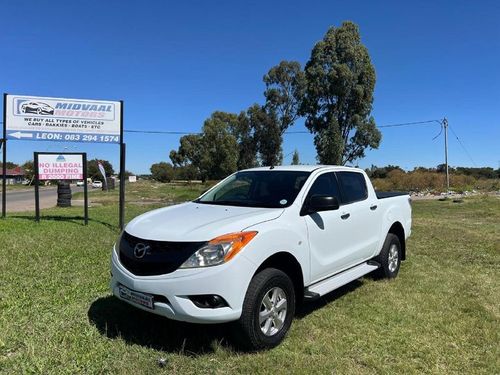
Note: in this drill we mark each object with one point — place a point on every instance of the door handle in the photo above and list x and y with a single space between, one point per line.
345 216
374 207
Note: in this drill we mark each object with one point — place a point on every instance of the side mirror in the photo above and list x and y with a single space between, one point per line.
318 203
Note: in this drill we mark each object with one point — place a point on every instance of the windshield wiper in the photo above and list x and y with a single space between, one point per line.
224 203
255 204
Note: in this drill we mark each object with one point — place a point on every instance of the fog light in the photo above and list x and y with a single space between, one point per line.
208 301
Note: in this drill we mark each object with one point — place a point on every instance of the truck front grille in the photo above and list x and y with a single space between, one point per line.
146 257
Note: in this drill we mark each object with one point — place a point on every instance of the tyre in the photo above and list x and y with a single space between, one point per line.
64 196
268 310
389 257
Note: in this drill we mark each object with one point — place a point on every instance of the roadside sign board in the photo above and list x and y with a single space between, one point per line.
38 118
60 166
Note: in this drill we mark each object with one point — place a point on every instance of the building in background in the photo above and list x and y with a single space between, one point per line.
15 176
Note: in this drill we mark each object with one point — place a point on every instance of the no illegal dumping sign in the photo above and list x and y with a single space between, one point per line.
60 167
67 120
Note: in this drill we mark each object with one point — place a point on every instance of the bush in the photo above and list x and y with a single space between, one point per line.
421 180
162 172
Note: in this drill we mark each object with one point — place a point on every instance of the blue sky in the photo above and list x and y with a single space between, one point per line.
174 63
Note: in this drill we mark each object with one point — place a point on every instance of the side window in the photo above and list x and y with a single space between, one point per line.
325 184
353 186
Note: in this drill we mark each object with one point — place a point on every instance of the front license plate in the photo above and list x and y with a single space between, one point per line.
136 297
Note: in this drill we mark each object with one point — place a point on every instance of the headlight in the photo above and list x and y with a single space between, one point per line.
219 250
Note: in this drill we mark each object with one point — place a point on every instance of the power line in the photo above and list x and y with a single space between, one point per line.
160 132
287 132
463 146
379 126
410 123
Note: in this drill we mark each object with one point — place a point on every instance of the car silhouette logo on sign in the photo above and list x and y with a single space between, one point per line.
140 250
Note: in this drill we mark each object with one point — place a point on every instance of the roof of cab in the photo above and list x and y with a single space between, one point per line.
304 168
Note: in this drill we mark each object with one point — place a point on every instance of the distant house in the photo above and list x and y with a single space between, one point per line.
15 176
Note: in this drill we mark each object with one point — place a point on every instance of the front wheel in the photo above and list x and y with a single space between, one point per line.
268 310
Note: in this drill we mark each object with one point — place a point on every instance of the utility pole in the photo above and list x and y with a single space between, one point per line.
445 126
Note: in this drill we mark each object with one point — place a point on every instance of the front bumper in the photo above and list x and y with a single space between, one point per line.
230 281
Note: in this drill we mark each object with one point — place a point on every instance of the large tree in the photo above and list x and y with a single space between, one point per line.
189 151
285 87
267 134
219 153
214 152
244 133
338 97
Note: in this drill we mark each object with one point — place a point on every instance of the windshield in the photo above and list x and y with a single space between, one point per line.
274 189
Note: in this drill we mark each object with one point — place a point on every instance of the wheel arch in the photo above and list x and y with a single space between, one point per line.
398 230
286 262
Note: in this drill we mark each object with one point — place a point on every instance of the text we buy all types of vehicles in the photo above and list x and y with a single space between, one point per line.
256 244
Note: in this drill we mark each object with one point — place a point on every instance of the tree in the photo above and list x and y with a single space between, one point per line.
295 158
162 172
219 149
244 133
29 170
214 152
186 172
339 95
9 164
93 170
267 134
285 87
188 152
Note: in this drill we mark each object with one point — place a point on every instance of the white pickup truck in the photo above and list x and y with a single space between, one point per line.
256 244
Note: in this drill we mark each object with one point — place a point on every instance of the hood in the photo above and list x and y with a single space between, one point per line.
197 222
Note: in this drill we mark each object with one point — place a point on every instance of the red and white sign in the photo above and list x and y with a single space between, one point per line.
60 167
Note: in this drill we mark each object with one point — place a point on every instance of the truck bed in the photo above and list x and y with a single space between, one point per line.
389 194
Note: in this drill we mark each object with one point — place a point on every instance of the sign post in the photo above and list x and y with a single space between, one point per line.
60 166
122 172
85 191
4 158
37 191
37 118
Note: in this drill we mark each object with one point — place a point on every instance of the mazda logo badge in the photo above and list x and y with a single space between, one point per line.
140 250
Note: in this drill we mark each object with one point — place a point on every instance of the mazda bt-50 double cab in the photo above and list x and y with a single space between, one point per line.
258 242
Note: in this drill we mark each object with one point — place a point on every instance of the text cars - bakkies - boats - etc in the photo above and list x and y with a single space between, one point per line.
257 243
37 107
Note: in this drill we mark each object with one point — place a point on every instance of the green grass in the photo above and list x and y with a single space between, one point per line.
441 315
148 192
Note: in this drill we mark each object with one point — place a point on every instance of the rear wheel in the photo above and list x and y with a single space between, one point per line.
268 310
389 257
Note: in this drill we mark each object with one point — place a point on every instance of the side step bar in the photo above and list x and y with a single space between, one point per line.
336 281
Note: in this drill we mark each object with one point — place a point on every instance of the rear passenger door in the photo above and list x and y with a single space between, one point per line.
360 215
